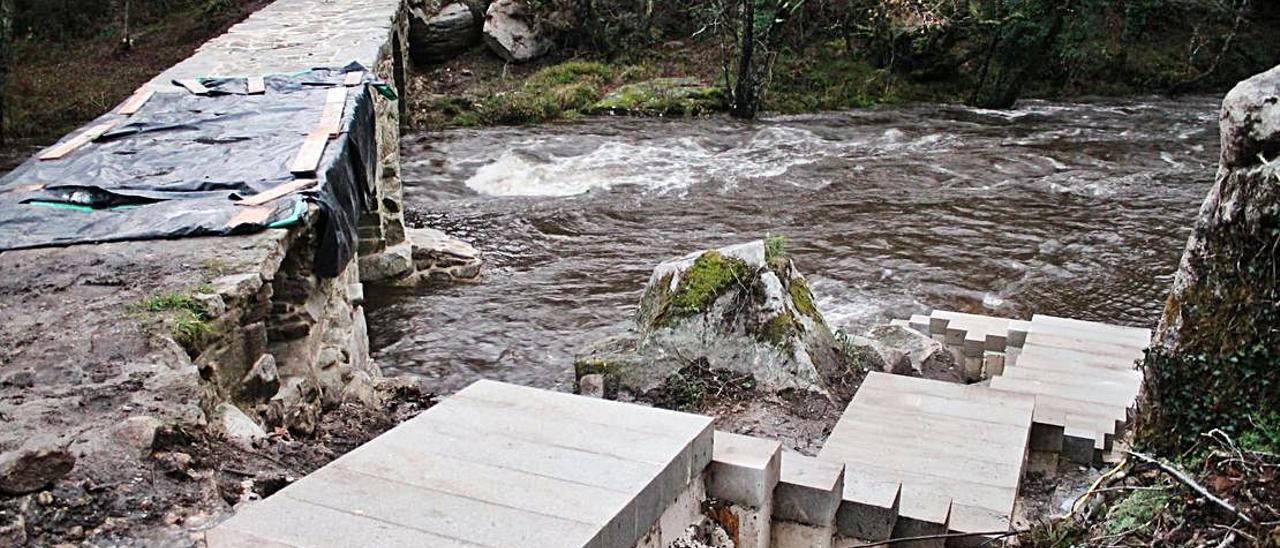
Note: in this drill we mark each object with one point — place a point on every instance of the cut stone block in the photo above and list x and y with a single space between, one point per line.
1132 336
1051 355
992 364
494 465
789 534
922 513
869 507
1018 330
900 323
809 490
919 322
744 470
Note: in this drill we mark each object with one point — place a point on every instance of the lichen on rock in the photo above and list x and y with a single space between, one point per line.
726 310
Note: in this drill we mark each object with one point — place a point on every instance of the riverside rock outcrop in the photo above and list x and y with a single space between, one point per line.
1240 211
744 309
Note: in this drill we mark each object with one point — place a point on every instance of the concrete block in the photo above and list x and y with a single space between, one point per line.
900 323
282 521
787 534
744 470
809 490
1018 333
919 322
922 513
992 364
439 513
869 506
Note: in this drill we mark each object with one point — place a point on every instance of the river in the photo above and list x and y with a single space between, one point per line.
1073 209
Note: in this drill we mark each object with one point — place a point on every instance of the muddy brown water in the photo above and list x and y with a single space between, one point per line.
1073 209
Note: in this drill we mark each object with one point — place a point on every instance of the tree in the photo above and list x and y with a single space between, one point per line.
749 31
6 54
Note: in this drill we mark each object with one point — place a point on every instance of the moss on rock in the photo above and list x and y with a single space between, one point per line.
802 298
664 96
708 278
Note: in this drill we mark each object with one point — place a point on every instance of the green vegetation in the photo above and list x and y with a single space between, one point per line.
780 331
839 55
186 318
1135 512
664 97
690 388
710 276
73 60
803 298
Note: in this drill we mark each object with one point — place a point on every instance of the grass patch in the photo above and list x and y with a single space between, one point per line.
185 317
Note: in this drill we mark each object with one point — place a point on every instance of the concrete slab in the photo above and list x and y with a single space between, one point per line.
809 490
744 470
481 469
919 322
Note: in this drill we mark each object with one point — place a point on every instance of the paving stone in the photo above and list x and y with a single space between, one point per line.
809 490
744 470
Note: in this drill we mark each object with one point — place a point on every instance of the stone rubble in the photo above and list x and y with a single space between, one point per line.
509 30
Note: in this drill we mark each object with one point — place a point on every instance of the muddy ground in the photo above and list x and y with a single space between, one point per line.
89 374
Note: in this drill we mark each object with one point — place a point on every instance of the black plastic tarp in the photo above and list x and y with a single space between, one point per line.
177 167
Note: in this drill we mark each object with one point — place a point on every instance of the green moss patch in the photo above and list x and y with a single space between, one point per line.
664 97
711 275
802 298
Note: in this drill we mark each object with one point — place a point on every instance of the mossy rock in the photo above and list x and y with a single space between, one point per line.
664 97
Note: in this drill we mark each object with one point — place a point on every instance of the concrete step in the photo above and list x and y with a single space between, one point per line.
1129 336
1082 371
1117 398
1082 343
805 502
1049 354
494 465
869 506
745 471
1112 380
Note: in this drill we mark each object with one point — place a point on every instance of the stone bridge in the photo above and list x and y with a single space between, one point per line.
96 354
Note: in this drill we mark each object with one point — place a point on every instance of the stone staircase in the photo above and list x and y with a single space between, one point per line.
501 465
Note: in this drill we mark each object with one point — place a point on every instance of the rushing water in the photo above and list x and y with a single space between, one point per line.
1073 209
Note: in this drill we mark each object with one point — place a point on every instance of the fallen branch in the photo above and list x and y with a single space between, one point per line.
1186 480
992 534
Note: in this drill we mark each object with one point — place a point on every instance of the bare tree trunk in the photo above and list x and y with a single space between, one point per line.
744 93
6 56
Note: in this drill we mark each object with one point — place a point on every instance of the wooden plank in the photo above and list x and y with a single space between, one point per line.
331 117
78 141
253 215
276 192
136 101
26 188
257 85
194 86
353 78
308 157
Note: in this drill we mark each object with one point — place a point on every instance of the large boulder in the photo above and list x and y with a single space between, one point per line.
511 32
739 309
1213 361
439 38
905 351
